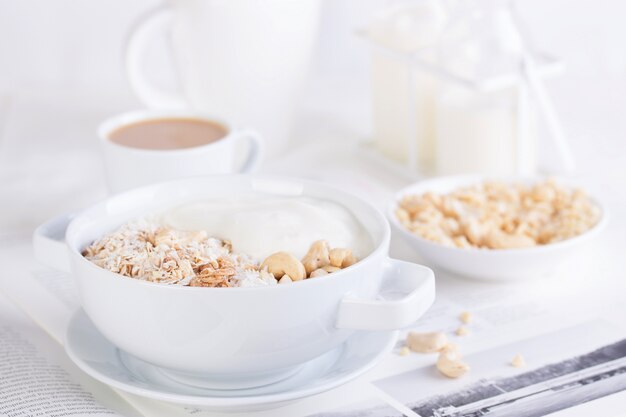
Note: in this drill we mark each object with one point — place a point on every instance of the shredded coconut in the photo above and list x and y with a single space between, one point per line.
151 252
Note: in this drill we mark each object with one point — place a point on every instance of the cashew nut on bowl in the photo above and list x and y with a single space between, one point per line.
317 256
283 263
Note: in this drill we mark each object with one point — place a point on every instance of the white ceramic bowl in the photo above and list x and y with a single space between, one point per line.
234 337
490 264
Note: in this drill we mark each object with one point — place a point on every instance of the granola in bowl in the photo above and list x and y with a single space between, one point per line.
152 252
499 215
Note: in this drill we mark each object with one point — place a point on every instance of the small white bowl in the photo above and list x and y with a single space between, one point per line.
490 264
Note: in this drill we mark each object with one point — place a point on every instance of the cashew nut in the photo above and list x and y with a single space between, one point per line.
316 257
462 331
426 342
283 263
450 364
286 279
518 361
450 347
341 257
330 269
318 273
473 230
466 317
498 240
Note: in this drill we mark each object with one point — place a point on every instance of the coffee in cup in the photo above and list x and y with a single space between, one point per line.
168 133
149 146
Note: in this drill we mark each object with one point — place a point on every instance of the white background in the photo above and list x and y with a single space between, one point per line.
77 45
72 52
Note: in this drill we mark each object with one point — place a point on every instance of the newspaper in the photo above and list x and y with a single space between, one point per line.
37 378
563 371
507 319
565 375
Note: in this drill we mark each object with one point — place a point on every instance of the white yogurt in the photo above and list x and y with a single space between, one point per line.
261 226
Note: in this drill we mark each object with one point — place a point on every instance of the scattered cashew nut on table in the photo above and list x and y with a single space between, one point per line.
450 364
426 342
466 317
518 361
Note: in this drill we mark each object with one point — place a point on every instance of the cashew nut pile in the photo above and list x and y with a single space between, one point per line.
319 260
494 215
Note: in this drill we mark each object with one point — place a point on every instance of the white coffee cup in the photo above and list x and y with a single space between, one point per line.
129 167
242 60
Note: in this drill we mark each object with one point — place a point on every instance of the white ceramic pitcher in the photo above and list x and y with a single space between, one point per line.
241 60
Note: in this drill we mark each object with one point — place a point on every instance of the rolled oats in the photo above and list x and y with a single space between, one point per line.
163 255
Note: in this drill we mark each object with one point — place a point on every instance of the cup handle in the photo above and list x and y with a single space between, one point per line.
417 282
49 243
141 36
255 150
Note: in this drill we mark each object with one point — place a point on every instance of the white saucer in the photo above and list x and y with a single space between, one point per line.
98 357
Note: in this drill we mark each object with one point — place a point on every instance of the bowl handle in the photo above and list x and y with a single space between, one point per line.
415 282
49 243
